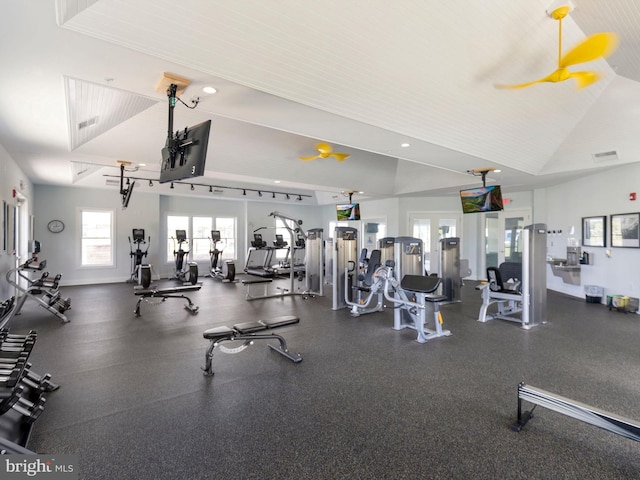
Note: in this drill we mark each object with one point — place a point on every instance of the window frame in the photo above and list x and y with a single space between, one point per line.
112 238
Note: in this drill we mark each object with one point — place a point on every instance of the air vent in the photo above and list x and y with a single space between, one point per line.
217 190
88 123
605 156
111 182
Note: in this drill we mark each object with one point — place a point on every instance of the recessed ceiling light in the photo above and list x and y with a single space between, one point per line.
209 89
142 164
276 181
497 170
405 145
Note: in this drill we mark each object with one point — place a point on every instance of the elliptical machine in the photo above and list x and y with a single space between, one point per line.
186 272
140 274
225 271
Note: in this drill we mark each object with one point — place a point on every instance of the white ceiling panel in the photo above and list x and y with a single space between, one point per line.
364 76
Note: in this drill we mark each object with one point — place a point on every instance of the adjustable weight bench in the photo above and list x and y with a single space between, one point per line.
164 293
248 332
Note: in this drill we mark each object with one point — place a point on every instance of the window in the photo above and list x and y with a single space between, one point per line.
199 244
227 227
97 238
282 254
202 227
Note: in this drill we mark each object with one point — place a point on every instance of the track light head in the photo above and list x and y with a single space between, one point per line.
273 194
151 183
192 187
210 189
244 192
299 198
288 197
171 185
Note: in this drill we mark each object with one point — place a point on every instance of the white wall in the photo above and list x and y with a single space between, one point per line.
11 177
603 193
62 250
560 207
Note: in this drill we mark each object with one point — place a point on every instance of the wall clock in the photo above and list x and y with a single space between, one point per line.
55 226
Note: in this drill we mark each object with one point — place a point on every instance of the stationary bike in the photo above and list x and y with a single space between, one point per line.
225 271
140 274
186 272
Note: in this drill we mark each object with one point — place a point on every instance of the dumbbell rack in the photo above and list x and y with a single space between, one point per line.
44 290
22 391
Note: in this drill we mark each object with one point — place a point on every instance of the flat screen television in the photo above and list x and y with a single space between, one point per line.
481 199
348 211
215 236
185 154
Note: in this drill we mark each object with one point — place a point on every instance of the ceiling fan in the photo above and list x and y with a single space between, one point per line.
595 46
326 151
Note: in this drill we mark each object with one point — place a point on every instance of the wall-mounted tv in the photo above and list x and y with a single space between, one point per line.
348 211
481 199
185 154
126 196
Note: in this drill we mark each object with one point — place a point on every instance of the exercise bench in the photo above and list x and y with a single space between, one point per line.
248 332
170 292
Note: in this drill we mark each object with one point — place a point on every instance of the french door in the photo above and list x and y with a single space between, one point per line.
431 228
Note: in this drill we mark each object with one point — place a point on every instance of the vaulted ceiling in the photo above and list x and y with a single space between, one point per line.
79 92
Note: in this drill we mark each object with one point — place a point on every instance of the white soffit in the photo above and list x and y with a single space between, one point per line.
93 109
424 69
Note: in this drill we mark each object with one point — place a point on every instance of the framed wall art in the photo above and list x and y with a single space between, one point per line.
625 230
594 231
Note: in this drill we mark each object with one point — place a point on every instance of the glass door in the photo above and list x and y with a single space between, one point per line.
424 225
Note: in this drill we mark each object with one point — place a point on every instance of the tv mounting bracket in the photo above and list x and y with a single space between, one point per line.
175 144
482 172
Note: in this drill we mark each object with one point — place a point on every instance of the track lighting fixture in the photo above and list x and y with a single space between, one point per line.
212 188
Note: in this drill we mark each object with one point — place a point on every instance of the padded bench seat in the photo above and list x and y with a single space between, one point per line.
247 332
168 290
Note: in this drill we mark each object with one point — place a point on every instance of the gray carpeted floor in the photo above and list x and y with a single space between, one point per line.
367 402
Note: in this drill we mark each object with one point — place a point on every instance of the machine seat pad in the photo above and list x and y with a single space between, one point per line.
419 283
218 332
276 322
435 298
248 327
257 280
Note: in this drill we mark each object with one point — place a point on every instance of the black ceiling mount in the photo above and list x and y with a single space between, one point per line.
176 144
482 172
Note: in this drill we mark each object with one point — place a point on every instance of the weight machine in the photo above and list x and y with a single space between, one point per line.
369 283
411 296
140 273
